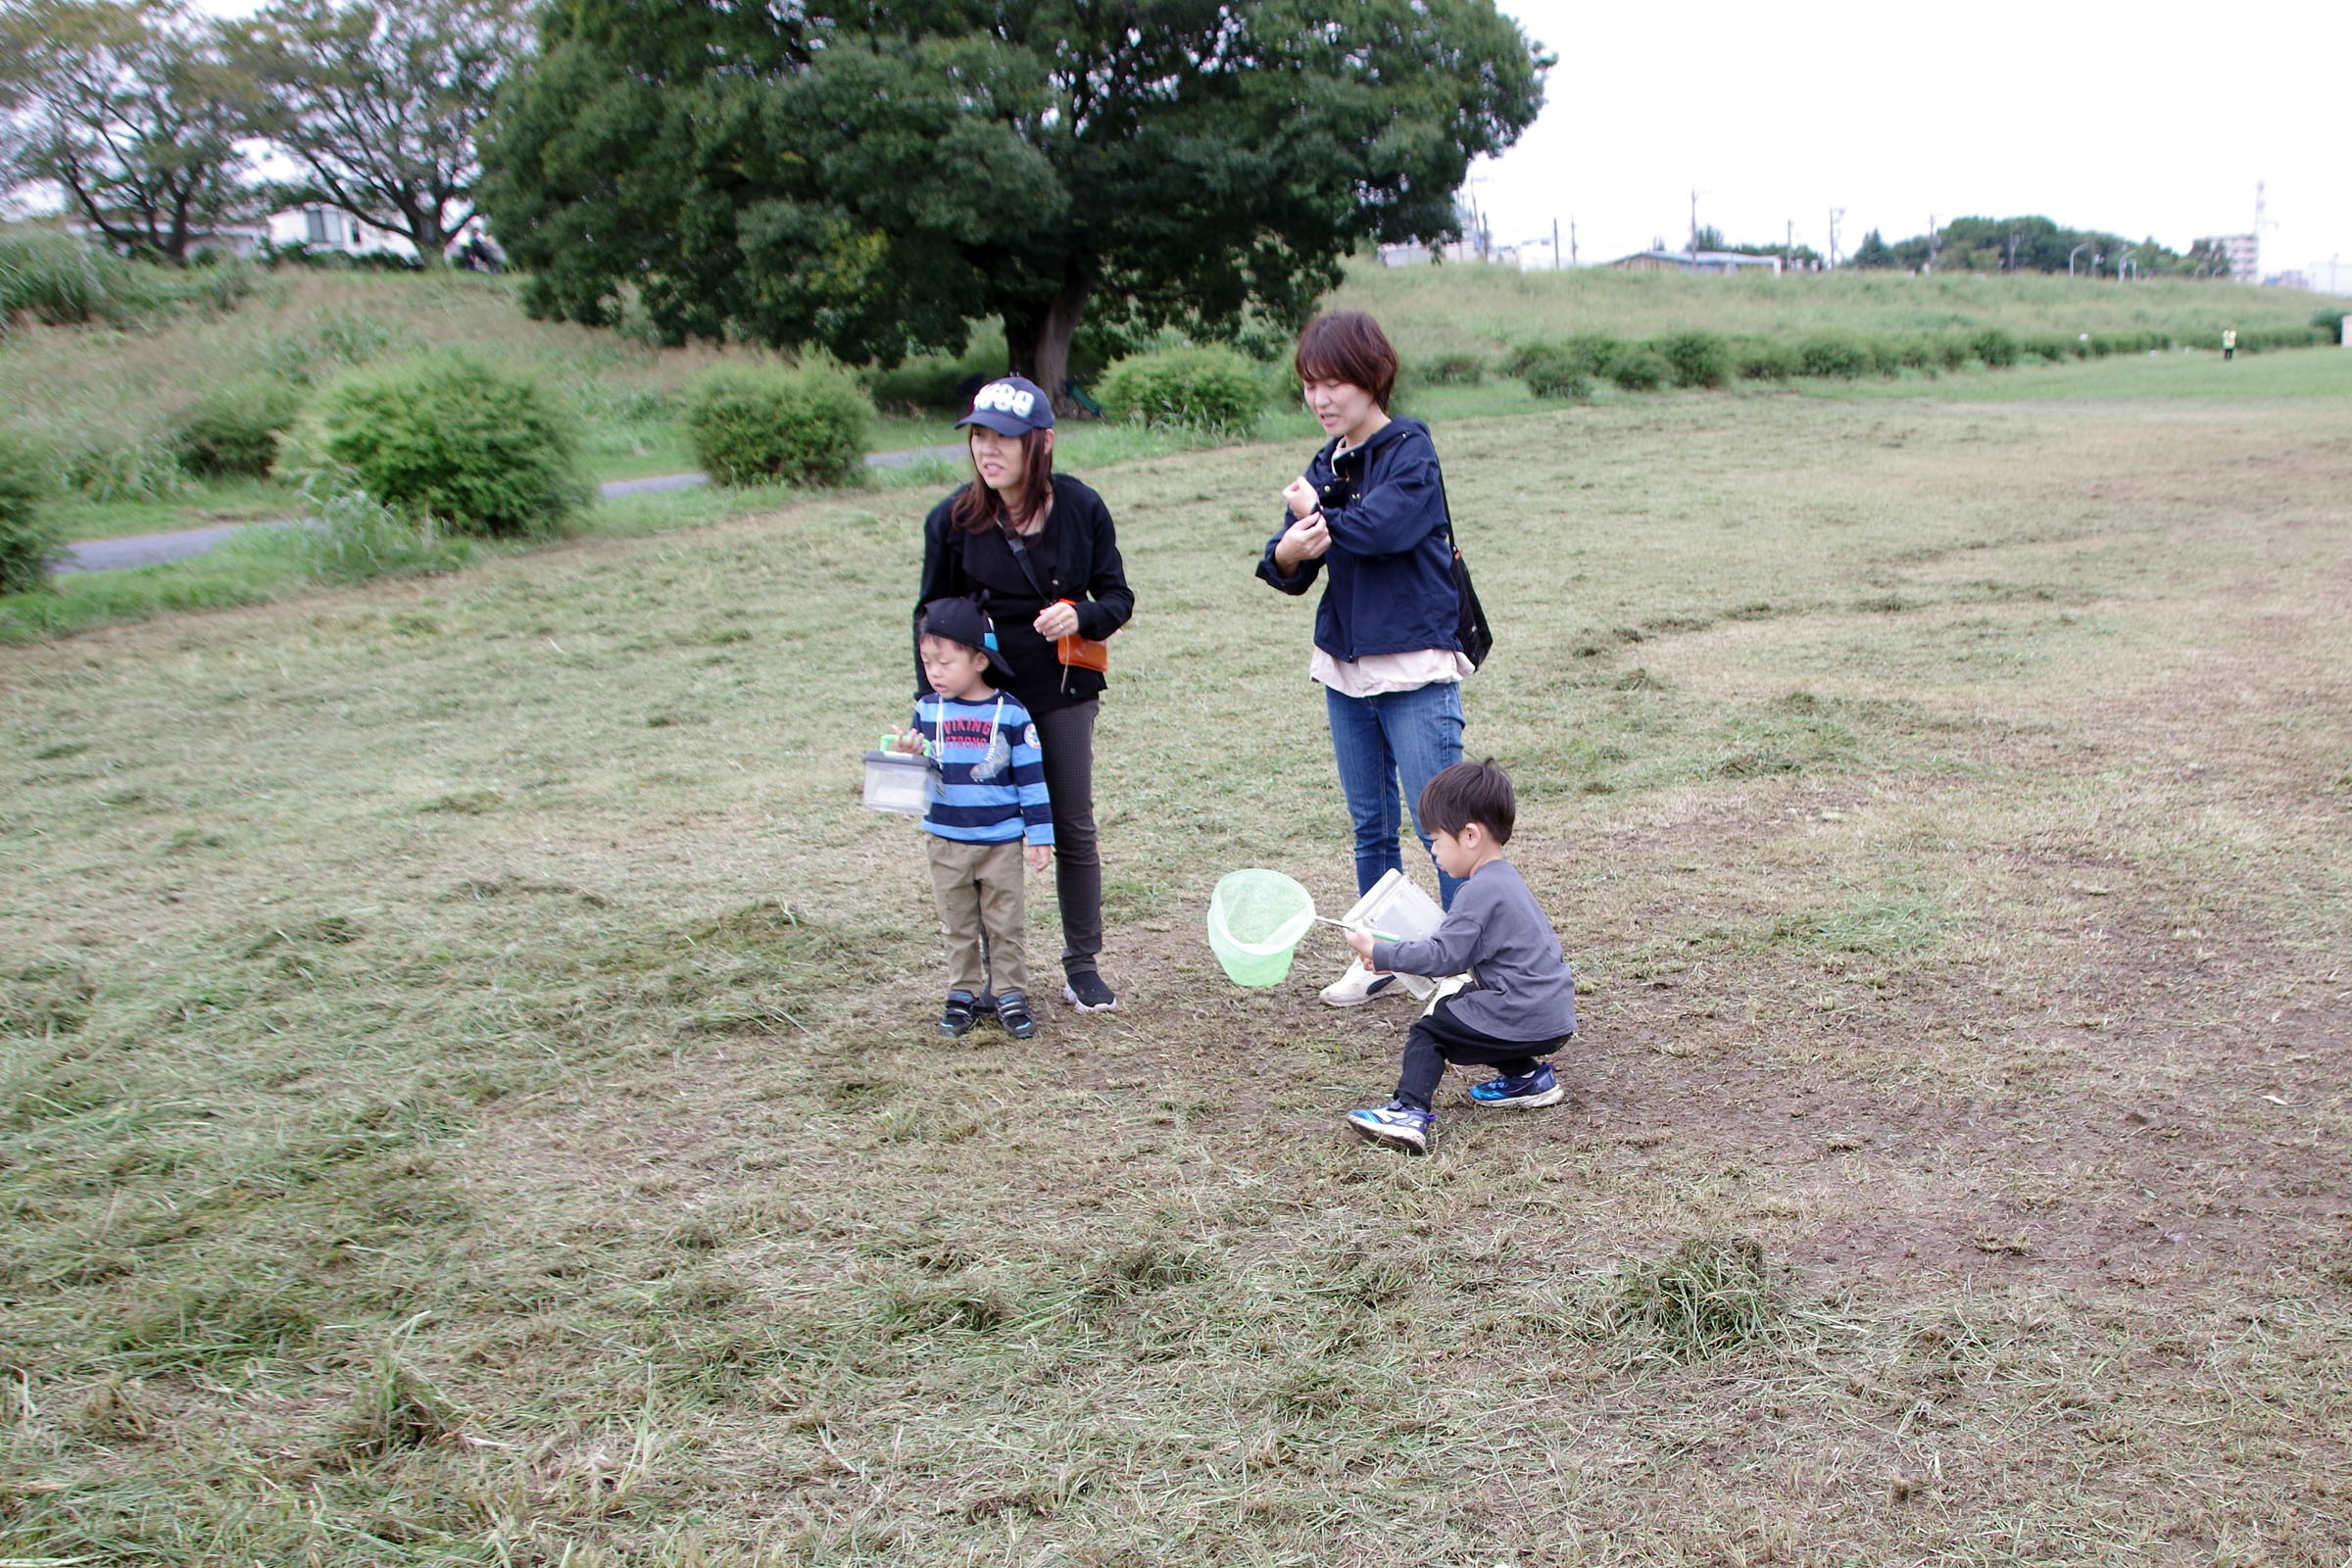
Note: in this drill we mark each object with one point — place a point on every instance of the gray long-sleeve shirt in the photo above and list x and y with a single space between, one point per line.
1497 931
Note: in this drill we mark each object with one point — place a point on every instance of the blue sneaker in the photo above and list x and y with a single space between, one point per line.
1397 1125
1524 1093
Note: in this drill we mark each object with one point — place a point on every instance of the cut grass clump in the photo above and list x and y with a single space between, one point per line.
1709 1296
393 1408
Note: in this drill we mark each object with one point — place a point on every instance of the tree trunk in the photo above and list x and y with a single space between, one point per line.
1038 338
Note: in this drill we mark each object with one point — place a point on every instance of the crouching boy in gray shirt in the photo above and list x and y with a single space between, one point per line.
1520 1004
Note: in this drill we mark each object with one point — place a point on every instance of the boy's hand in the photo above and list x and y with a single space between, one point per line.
909 740
1300 495
1040 856
1361 941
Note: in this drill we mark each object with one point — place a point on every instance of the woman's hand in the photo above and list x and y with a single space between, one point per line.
1300 495
1057 620
1040 856
1304 540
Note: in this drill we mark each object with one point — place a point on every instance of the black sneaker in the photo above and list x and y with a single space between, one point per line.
1088 994
955 1019
1012 1011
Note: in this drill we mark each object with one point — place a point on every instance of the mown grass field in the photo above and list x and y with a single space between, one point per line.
470 1095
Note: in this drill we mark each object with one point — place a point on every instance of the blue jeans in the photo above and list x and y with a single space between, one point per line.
1408 736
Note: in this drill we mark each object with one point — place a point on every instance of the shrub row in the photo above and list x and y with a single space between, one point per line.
1697 359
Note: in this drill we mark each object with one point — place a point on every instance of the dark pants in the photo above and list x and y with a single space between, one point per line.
1438 1038
1066 737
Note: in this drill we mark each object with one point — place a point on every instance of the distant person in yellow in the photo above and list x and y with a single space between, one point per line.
2229 343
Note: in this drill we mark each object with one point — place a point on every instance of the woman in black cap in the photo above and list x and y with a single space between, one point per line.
1038 550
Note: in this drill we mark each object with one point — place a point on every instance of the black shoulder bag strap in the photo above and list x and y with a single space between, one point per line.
1470 627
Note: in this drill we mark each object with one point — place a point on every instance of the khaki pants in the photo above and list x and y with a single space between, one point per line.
978 888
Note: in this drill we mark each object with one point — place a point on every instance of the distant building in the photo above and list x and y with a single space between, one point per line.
1413 253
2244 252
1718 261
2286 280
2330 277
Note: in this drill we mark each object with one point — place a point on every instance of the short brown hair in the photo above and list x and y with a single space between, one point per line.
1347 345
1470 792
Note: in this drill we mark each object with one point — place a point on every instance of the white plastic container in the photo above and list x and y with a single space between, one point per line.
898 781
1398 910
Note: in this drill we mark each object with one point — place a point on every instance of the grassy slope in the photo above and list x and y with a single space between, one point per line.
469 1098
1435 310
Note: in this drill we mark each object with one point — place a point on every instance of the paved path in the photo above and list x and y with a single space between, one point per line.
150 549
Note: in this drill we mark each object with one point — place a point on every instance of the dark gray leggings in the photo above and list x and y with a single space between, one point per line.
1066 736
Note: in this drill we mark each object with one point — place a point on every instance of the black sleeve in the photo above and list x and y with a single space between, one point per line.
1110 603
943 578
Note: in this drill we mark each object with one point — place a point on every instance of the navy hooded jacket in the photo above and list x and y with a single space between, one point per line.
1391 554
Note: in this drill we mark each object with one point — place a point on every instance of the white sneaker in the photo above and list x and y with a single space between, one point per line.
1358 986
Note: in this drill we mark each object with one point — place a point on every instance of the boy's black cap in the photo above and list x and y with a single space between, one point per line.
960 621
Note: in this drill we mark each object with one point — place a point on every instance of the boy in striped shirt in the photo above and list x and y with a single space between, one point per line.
989 799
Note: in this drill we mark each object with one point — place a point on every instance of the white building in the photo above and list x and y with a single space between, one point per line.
2330 277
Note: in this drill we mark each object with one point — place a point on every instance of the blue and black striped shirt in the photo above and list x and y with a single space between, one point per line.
992 786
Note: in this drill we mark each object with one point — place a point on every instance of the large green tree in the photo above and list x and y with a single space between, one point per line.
132 112
872 181
380 103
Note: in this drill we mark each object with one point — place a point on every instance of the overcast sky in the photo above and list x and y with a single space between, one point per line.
2145 120
2141 119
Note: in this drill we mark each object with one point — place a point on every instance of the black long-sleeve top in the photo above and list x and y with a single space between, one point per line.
1076 554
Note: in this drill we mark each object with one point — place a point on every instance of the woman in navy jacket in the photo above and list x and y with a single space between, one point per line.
1369 517
1036 549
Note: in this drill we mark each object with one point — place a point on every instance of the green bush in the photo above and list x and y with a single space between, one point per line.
1205 389
26 541
1455 370
1765 358
2330 321
758 424
1550 372
1640 369
451 438
1996 346
234 429
1697 359
2053 347
1833 355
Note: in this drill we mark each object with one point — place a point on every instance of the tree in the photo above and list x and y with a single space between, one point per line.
1872 252
870 183
380 103
130 110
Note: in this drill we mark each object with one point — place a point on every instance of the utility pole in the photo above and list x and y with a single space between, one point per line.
1692 247
1572 261
1556 244
1930 267
1836 217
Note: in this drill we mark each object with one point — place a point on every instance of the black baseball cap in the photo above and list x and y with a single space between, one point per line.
1012 405
960 621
